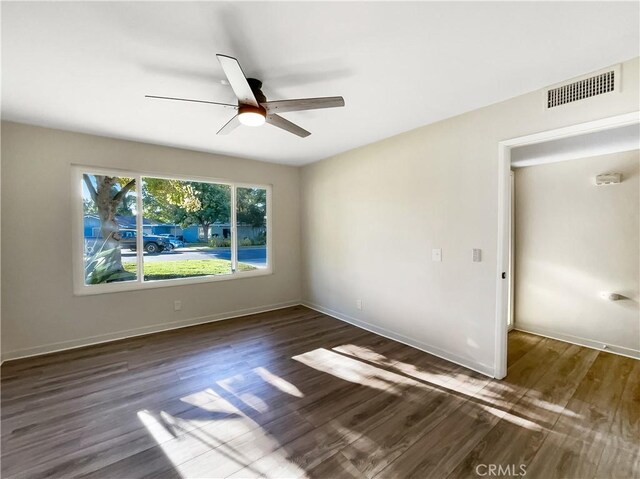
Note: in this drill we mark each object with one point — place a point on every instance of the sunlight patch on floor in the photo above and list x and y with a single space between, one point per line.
198 446
273 466
201 398
358 372
218 436
177 448
529 403
361 352
519 421
437 375
256 453
222 434
236 386
453 379
278 382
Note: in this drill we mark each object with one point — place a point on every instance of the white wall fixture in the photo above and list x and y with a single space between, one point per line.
608 179
611 296
436 254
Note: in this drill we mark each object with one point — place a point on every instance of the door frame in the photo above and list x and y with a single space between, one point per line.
504 215
512 261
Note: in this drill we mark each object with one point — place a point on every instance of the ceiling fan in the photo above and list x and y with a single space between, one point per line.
253 109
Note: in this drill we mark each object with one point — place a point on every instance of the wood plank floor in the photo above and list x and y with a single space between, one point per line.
294 393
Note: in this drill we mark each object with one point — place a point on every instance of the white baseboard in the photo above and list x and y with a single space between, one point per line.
131 333
568 338
427 348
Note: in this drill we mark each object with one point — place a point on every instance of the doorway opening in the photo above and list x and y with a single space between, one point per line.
508 150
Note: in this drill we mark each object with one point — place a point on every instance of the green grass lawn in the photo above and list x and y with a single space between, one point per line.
186 268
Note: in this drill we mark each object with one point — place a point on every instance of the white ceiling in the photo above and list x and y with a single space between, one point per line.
86 66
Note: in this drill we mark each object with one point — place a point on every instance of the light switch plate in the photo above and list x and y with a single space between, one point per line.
436 254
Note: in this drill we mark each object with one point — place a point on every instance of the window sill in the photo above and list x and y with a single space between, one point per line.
84 290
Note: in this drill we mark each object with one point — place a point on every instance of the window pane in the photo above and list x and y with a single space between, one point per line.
109 220
179 218
251 225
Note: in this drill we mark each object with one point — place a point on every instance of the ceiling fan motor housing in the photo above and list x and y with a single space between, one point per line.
252 115
256 88
242 108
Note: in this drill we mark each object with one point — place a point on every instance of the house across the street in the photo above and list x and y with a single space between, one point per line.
190 234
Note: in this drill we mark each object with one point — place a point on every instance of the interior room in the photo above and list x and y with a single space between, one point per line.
320 239
576 209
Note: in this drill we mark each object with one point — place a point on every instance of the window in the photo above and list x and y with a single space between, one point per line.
141 231
251 225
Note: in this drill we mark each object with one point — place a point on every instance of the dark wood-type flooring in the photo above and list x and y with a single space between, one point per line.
294 393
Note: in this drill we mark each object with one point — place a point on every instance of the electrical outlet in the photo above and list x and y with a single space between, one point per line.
359 304
477 255
177 305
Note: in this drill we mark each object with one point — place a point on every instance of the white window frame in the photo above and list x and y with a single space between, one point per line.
77 231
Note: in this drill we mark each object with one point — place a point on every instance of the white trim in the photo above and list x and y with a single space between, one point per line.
139 232
77 242
270 228
165 283
481 368
234 229
504 236
153 174
77 226
573 130
504 213
512 242
142 331
587 343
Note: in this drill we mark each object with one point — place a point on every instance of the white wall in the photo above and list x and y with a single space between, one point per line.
437 186
39 311
573 241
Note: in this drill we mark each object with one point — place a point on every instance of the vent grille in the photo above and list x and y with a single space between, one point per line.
579 90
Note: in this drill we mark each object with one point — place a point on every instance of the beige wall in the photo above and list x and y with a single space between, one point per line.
39 311
437 187
573 241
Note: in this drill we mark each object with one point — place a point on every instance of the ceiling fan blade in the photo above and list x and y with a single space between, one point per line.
229 126
280 122
237 80
281 106
195 101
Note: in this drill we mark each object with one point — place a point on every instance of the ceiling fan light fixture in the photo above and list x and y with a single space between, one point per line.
251 115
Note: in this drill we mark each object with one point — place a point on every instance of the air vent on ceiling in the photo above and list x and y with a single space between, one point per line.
594 84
